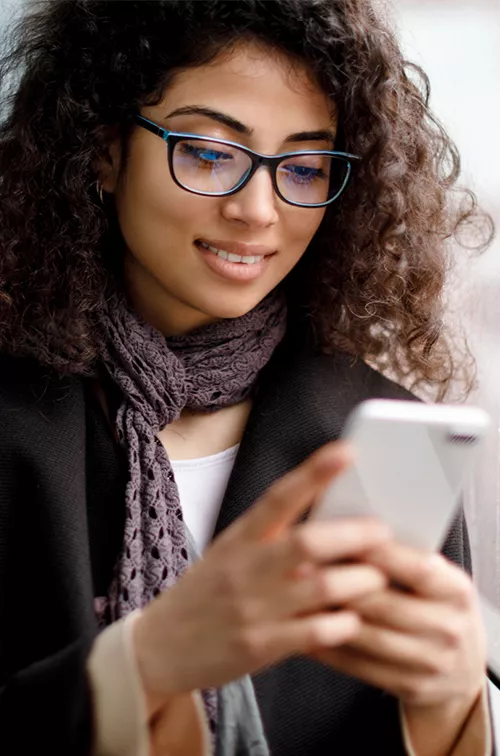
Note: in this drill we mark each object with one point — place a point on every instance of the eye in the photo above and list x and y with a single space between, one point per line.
303 173
205 154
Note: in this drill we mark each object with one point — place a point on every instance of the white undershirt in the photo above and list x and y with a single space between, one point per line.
202 484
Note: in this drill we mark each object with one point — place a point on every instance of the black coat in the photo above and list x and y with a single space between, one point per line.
62 481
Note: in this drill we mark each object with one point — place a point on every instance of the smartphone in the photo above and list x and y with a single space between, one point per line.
411 461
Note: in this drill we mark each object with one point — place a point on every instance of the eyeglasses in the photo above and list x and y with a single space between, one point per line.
218 168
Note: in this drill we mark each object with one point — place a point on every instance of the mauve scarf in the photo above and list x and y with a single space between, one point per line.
213 367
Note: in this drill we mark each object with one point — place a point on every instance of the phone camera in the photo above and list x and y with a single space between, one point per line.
465 439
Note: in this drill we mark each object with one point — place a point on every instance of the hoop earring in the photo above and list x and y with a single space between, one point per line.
99 191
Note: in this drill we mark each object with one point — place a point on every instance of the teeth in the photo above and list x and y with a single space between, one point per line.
247 260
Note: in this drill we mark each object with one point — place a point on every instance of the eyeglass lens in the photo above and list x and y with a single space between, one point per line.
215 168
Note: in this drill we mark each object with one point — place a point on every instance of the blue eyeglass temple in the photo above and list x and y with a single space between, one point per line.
153 127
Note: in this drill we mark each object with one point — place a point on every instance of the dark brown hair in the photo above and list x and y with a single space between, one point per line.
372 280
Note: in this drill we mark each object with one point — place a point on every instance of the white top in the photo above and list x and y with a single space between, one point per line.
202 484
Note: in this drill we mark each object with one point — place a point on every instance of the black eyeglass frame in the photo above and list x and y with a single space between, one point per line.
171 138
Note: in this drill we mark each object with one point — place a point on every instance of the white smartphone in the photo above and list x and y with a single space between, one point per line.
411 461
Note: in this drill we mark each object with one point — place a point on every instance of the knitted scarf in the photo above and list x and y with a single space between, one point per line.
213 367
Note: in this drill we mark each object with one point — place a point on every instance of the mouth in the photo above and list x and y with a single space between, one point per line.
234 260
230 256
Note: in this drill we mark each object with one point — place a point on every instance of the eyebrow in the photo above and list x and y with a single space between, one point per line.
326 135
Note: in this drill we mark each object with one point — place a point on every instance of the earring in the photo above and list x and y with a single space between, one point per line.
99 191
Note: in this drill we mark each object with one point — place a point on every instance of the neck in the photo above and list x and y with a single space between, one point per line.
201 434
168 315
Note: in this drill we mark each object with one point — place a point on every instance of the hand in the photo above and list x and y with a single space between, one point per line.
263 591
426 646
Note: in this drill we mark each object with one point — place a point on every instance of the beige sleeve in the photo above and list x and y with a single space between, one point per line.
476 738
122 724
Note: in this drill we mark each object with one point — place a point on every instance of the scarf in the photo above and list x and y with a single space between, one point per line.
210 368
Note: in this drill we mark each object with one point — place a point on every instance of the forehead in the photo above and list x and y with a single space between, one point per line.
259 86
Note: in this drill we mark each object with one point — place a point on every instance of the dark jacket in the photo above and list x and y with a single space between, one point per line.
62 480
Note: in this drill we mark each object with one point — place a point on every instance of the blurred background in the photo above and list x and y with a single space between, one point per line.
458 44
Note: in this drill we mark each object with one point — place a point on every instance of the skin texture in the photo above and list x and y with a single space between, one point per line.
169 281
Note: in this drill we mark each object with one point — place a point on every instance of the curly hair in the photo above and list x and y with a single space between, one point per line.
372 280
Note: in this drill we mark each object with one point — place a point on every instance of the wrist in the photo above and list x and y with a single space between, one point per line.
120 722
453 708
435 729
155 674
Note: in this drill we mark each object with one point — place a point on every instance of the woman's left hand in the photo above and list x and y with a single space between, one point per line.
426 644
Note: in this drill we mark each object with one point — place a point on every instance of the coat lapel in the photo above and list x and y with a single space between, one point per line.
302 403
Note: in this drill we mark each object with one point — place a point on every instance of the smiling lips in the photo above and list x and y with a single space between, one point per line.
233 260
236 252
246 259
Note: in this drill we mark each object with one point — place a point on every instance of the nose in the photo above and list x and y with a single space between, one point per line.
256 204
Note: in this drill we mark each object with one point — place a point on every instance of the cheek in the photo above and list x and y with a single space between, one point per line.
153 211
302 227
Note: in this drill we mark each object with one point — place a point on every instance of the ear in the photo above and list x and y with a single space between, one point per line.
109 167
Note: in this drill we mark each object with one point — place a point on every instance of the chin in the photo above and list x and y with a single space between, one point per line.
231 307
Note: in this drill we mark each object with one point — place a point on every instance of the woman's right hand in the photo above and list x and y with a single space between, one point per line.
263 591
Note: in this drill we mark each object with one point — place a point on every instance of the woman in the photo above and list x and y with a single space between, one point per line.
183 325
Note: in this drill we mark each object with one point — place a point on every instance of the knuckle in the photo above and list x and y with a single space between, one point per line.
408 689
244 612
224 547
384 643
326 589
424 579
319 634
370 578
452 634
464 592
447 664
314 637
229 581
425 689
415 689
348 583
275 498
301 543
435 664
233 589
252 647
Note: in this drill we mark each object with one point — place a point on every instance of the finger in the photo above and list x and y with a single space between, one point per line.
429 575
302 636
293 494
406 613
379 674
268 570
298 554
411 653
327 542
331 587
